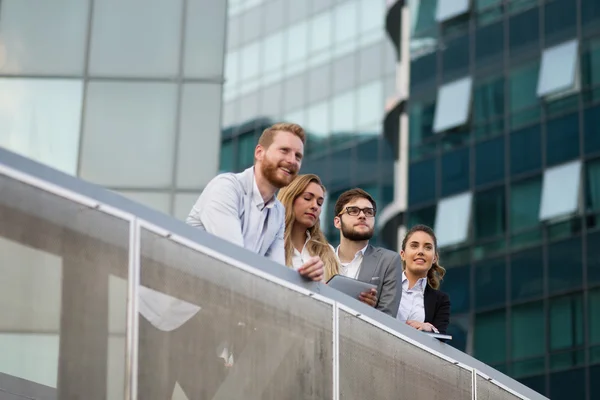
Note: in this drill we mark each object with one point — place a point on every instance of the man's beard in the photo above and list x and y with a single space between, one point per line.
270 172
350 234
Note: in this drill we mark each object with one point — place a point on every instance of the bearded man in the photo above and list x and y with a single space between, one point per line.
243 209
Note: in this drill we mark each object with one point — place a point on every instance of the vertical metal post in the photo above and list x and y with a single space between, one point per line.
131 347
336 352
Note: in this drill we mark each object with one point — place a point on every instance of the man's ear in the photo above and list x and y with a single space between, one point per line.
337 222
259 152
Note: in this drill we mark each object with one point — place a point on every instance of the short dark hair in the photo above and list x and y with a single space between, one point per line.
350 195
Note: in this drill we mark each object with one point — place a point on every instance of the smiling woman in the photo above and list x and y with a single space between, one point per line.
422 305
303 201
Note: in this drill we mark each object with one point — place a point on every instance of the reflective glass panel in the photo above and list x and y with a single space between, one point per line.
525 150
592 188
489 217
43 37
370 103
40 119
421 181
490 328
488 99
562 139
528 325
450 9
489 161
527 274
524 31
559 69
131 124
136 38
565 269
522 84
455 171
272 56
320 31
560 190
490 283
205 37
525 199
452 219
591 120
453 105
297 42
566 322
560 20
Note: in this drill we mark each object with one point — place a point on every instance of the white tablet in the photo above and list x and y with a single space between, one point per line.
349 286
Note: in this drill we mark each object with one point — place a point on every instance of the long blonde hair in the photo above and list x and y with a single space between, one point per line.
317 245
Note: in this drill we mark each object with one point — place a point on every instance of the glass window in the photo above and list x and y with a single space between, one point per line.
594 316
199 134
575 389
593 185
272 56
248 107
183 203
341 175
425 216
343 112
489 161
560 190
43 37
298 10
527 330
297 43
455 171
420 122
371 15
522 84
422 14
421 181
370 62
245 151
250 60
370 103
525 204
455 57
537 383
232 68
40 119
129 123
490 337
457 284
319 83
489 218
488 99
344 73
296 85
136 38
560 20
233 32
271 101
251 23
527 274
565 265
562 139
453 105
317 125
559 70
593 257
203 58
227 157
423 69
590 14
450 9
346 21
274 15
489 44
566 322
525 150
490 283
452 219
591 118
155 200
524 32
590 63
321 31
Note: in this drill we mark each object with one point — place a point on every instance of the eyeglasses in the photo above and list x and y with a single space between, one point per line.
355 211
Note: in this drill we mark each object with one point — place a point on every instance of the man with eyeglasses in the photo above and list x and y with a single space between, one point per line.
355 212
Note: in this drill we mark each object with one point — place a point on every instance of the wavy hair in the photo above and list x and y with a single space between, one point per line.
436 273
318 244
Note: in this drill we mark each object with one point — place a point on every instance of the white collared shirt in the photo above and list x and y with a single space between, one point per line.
300 257
255 235
352 268
412 303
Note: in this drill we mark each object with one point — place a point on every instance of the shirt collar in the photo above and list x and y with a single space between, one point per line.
421 283
361 251
258 200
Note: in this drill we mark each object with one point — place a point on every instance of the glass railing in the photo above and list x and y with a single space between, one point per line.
103 298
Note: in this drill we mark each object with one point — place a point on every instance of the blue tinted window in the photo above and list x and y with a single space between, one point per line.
421 182
489 217
590 15
455 58
489 164
341 170
527 274
423 69
489 46
490 328
490 283
568 385
562 139
591 122
537 383
420 122
559 21
524 31
593 257
457 284
564 265
528 325
226 162
245 153
525 150
455 172
367 160
488 99
424 216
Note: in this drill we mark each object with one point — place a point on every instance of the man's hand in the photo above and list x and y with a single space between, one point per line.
369 298
312 269
422 326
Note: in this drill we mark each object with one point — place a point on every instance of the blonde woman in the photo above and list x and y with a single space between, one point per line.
303 200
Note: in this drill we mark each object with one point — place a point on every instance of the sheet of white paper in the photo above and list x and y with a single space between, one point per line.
163 311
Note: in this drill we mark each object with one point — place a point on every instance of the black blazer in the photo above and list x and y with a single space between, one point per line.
437 308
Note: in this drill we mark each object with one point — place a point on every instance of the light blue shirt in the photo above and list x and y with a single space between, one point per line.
232 208
412 302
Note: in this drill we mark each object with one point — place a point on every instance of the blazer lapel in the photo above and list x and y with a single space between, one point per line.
368 267
429 300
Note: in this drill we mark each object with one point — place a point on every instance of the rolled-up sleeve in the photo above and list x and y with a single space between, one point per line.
217 210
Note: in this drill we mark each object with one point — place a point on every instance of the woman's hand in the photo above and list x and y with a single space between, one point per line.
422 326
313 269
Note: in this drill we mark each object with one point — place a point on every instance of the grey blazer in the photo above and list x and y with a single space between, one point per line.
382 267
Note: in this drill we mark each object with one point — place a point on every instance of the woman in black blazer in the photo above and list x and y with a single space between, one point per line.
422 305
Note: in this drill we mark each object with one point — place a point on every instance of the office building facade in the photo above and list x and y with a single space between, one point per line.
326 65
502 158
125 94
